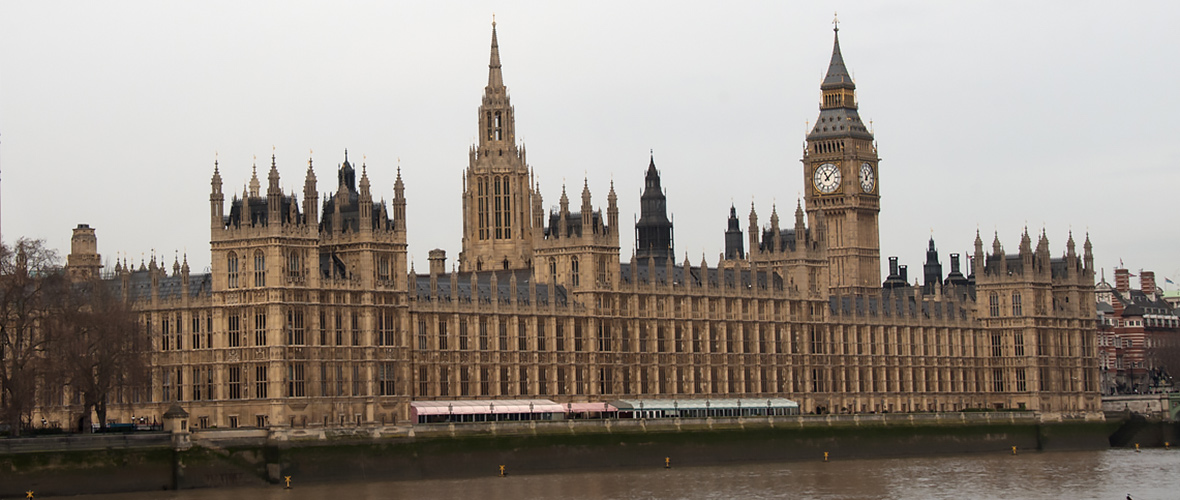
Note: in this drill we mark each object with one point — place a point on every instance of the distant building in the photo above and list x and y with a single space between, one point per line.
1138 335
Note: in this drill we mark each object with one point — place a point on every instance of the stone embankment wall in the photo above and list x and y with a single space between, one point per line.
253 456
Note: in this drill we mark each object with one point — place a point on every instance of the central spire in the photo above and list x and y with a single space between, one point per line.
495 77
837 73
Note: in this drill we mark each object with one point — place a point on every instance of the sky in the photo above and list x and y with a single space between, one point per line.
989 116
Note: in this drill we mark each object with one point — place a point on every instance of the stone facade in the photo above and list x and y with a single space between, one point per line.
308 321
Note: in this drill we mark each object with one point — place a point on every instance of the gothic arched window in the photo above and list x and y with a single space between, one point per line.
259 268
574 271
231 267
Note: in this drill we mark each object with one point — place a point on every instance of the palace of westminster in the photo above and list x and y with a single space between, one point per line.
312 315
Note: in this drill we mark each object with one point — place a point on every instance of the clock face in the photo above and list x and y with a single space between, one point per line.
867 180
827 178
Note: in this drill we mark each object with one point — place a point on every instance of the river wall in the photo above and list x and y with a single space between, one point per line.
254 456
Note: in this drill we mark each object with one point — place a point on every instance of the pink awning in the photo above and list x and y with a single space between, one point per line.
589 407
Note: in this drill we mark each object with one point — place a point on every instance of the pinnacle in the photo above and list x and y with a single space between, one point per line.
495 76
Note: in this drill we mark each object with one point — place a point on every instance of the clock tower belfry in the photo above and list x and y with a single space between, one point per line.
840 172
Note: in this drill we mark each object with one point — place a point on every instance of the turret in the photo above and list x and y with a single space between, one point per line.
311 197
932 270
612 210
216 201
733 237
587 209
753 234
365 202
274 195
399 202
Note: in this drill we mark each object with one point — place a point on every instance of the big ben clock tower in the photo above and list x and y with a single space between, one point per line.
841 179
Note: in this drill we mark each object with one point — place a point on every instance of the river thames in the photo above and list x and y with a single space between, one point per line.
1106 474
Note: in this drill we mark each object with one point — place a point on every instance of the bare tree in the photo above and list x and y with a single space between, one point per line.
31 285
101 349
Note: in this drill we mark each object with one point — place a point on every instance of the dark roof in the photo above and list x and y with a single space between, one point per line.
573 224
728 277
1137 303
139 286
484 287
253 211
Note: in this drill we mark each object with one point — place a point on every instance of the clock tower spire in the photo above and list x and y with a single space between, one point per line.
840 172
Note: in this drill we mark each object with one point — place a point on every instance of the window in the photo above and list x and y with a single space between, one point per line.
196 331
383 268
497 201
421 334
1016 309
574 271
295 331
1018 343
386 379
1021 384
503 323
463 334
356 329
235 381
553 267
260 382
296 385
482 204
997 380
423 381
358 383
994 303
442 334
259 326
259 268
294 265
234 328
165 334
385 326
997 346
231 267
198 391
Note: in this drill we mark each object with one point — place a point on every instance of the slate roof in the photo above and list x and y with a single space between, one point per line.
139 285
483 288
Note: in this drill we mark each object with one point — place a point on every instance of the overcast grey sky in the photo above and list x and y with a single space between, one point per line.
988 115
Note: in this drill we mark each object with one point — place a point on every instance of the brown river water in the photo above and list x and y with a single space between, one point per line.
1107 474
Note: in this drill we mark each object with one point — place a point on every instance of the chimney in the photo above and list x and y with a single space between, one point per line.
438 261
1122 280
902 271
892 267
1147 282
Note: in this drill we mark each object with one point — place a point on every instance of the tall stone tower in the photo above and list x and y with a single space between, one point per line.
653 231
840 170
83 263
497 192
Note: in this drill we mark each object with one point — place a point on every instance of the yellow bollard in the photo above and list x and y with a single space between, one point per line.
825 456
667 462
1136 447
287 479
1013 450
502 471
